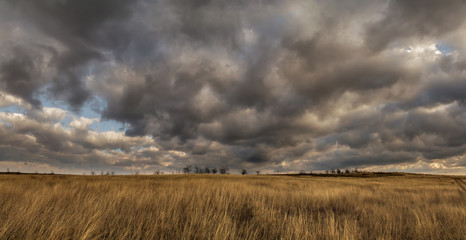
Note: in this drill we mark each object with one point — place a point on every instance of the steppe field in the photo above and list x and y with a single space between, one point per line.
360 206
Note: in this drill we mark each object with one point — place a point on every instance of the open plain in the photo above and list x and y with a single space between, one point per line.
192 206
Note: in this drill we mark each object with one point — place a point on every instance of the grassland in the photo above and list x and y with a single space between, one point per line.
231 207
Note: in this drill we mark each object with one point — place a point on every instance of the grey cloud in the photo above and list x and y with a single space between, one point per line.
312 72
440 91
248 83
85 29
352 158
417 18
75 145
445 125
19 73
444 92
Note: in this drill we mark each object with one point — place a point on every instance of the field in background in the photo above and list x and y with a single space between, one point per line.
232 207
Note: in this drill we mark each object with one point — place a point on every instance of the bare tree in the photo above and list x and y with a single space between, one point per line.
223 170
244 172
187 169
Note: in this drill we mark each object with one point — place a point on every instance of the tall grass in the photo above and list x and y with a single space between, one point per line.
230 207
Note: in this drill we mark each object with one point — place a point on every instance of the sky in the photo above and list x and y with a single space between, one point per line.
290 85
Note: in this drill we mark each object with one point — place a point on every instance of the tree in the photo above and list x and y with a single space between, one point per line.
207 170
92 173
258 172
244 172
338 171
187 169
223 170
214 170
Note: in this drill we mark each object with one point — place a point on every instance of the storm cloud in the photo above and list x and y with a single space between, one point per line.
276 85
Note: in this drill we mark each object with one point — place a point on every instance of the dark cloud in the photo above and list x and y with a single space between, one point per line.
355 159
84 30
444 93
18 72
276 84
43 139
415 19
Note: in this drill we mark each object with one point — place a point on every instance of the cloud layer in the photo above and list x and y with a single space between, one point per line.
278 85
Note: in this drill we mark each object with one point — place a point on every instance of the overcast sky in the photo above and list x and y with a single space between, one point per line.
263 85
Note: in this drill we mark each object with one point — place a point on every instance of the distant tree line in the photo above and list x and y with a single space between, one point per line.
205 170
103 173
338 171
35 172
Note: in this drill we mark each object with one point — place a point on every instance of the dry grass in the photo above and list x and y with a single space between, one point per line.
231 207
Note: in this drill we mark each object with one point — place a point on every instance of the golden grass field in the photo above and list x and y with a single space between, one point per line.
232 207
